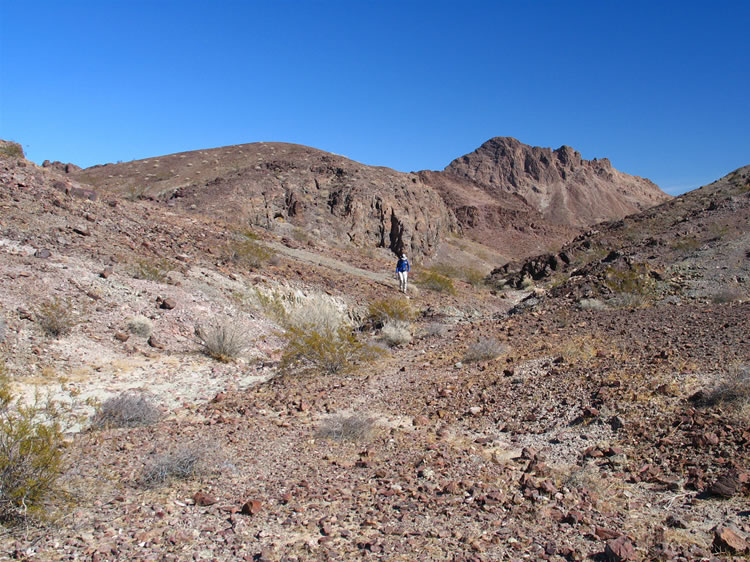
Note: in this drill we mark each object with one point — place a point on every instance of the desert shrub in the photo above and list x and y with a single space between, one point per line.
474 277
732 390
55 316
591 304
319 339
434 329
183 462
223 339
151 269
31 449
354 427
686 244
247 253
397 308
11 149
395 333
436 282
633 287
726 295
140 326
485 349
324 350
127 409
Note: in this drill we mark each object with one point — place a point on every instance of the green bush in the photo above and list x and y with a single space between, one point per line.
31 455
435 282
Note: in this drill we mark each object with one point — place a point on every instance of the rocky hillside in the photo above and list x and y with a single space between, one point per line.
291 190
696 246
559 184
602 416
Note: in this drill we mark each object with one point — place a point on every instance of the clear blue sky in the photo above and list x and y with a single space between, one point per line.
662 88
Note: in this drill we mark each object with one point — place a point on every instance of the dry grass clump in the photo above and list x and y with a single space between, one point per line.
354 427
223 339
485 349
727 295
127 409
31 447
434 329
183 462
591 304
55 316
733 390
397 308
140 326
395 333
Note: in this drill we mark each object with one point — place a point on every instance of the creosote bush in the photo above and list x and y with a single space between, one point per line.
485 349
183 462
224 339
435 282
151 269
247 253
31 449
55 316
319 339
127 409
354 427
397 308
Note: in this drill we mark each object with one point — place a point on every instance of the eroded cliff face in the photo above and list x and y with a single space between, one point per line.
281 186
562 186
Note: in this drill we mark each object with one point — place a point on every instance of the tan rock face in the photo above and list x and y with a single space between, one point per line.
562 186
282 186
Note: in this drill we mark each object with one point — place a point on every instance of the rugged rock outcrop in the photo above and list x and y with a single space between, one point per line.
562 186
281 186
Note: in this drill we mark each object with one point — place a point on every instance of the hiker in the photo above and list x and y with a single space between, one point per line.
402 271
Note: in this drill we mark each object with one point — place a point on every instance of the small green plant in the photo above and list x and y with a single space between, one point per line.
397 308
485 349
127 409
223 339
152 269
354 427
31 454
55 316
435 282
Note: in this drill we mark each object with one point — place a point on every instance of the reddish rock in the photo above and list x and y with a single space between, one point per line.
42 253
106 273
727 539
606 534
154 342
725 486
619 550
168 304
251 507
121 336
204 499
420 421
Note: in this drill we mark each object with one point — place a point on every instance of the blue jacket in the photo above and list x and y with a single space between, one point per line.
402 265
